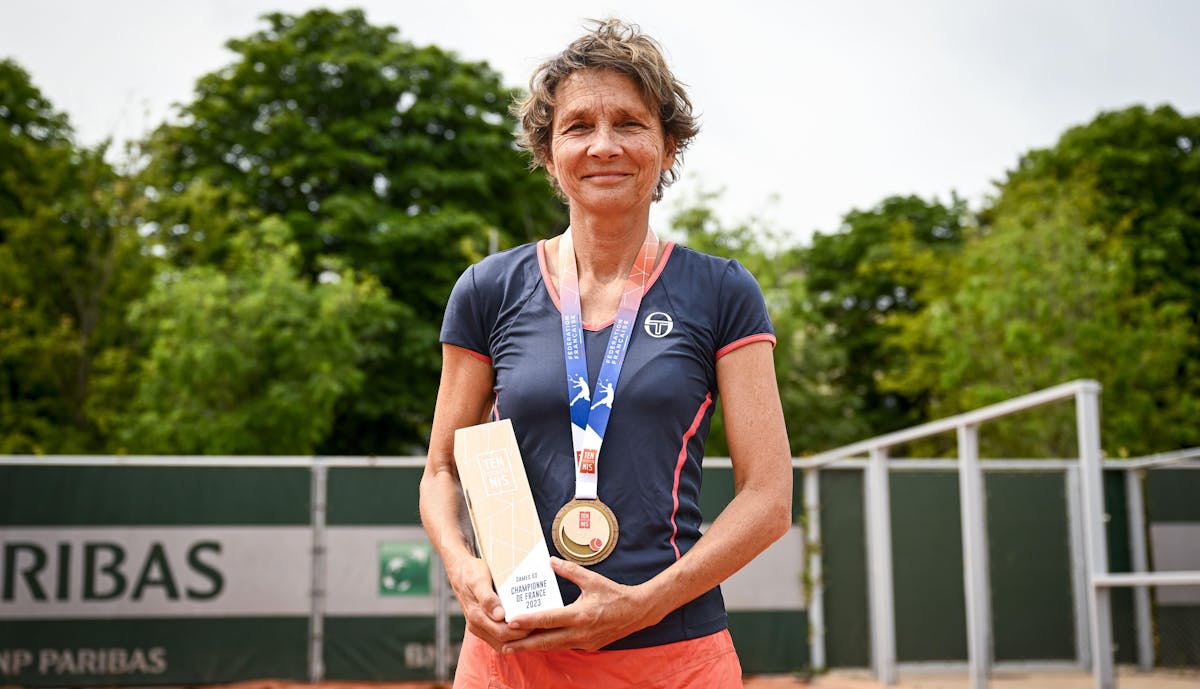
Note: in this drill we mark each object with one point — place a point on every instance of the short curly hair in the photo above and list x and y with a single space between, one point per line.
622 47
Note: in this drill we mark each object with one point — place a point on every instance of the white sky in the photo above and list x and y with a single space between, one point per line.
827 105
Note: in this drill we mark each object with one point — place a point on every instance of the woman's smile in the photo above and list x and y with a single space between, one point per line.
607 149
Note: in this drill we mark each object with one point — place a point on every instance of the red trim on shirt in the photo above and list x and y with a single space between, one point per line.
662 263
761 337
482 357
679 467
546 278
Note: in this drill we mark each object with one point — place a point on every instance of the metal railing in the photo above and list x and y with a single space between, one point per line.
1093 604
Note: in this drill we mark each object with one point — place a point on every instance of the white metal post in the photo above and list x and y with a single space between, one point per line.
441 623
1087 421
816 584
976 582
1137 549
316 620
1080 593
879 561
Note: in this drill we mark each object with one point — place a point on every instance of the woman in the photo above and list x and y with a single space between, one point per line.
608 121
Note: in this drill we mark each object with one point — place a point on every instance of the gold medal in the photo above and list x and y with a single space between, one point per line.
585 531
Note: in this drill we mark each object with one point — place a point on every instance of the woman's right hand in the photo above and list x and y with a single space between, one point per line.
463 399
472 584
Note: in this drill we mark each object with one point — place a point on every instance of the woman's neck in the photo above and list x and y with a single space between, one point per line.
604 255
605 249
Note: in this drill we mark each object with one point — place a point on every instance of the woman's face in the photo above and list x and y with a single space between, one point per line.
607 146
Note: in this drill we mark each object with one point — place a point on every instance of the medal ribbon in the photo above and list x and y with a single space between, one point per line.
589 420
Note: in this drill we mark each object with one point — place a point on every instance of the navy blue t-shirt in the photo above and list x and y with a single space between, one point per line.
696 309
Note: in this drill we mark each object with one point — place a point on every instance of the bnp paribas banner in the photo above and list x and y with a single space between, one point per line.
208 571
152 603
151 575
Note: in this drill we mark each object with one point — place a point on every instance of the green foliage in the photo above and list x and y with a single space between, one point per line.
271 277
1056 289
69 263
879 264
31 130
1145 168
360 141
251 358
396 159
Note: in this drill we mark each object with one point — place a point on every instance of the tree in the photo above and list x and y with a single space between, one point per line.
1145 168
879 264
1088 265
397 159
1048 295
249 357
31 130
70 260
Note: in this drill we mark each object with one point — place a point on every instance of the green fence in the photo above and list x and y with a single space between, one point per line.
1035 582
161 571
202 570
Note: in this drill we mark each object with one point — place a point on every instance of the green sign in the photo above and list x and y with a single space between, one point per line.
404 569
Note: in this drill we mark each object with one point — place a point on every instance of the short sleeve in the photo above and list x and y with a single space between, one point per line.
743 311
464 323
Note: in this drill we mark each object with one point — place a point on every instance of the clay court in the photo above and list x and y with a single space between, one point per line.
860 679
1126 679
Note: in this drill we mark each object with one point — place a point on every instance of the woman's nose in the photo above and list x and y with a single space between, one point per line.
604 143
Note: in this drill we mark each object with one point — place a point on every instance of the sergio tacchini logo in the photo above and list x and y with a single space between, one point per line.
658 324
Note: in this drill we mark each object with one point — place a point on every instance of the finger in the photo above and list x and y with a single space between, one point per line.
488 605
496 635
492 614
545 619
488 601
473 587
514 634
576 574
542 641
486 609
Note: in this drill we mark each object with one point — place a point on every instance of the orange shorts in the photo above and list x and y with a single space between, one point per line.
709 662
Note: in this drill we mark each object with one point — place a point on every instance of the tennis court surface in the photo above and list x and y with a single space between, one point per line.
1065 679
1126 679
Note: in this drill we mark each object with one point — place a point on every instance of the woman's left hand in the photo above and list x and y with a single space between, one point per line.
604 612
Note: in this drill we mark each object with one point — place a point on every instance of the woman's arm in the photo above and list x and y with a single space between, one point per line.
760 512
463 396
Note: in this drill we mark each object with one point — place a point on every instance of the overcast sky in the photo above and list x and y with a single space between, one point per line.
827 106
